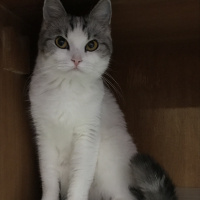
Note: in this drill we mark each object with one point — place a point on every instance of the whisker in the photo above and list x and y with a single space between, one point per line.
116 91
105 81
107 74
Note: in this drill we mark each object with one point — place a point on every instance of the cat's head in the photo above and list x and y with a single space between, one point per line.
76 46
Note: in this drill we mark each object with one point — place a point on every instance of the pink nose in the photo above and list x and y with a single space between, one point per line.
76 61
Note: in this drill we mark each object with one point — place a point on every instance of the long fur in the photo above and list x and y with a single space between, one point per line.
83 145
151 182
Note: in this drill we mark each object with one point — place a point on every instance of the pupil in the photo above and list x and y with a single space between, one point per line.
61 41
91 45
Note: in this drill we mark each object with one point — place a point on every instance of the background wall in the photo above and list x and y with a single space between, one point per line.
19 178
156 62
160 86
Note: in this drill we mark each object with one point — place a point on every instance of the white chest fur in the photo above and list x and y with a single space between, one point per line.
64 103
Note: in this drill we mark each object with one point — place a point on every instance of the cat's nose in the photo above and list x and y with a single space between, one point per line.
76 61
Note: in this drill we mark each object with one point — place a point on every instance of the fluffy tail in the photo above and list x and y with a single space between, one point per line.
151 182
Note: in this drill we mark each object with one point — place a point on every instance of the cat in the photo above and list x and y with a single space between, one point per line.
83 145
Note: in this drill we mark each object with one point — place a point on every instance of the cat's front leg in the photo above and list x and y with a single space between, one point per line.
49 174
83 162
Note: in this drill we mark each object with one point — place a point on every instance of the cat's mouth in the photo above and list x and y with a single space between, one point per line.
69 69
75 69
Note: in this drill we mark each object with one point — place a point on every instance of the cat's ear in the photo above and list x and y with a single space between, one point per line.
53 9
102 12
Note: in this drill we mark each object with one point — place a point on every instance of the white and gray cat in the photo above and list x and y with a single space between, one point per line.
85 151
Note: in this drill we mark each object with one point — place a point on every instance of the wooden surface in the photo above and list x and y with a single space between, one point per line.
188 193
19 177
160 85
15 51
155 20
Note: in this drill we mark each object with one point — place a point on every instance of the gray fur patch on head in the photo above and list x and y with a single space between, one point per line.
53 9
49 32
58 23
102 12
102 33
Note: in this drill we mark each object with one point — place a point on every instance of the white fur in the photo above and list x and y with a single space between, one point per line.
81 133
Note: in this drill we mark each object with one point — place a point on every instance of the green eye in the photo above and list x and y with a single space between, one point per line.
61 42
91 46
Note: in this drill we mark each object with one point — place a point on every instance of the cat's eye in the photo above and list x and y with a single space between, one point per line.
61 42
91 46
